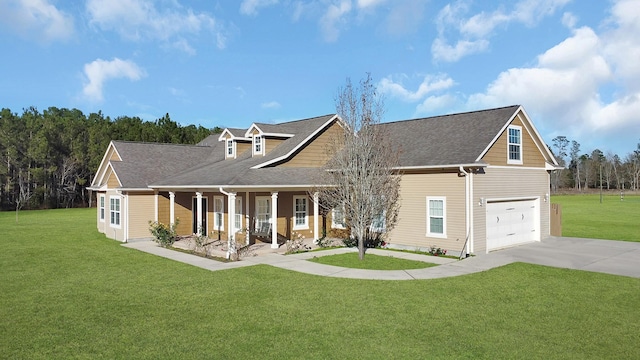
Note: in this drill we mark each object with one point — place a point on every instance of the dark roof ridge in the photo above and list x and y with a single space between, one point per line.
156 143
293 121
453 114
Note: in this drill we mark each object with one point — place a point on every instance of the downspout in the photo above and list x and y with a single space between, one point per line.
467 187
229 224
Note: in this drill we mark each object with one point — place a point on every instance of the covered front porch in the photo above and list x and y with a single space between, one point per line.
244 215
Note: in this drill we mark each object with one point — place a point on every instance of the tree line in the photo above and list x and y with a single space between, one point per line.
595 169
48 158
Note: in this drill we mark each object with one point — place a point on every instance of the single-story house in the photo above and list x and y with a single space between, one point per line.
471 182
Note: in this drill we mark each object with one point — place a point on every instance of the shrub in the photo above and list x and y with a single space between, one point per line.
435 251
373 240
164 235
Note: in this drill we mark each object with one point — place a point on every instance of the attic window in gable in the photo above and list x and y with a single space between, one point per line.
230 148
514 145
258 145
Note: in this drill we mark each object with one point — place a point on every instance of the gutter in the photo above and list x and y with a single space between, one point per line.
467 190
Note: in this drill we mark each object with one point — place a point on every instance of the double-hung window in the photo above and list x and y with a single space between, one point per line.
114 211
237 224
263 212
514 145
218 213
379 223
300 212
230 148
337 217
258 145
102 209
436 217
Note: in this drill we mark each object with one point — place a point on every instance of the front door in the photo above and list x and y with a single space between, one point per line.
194 213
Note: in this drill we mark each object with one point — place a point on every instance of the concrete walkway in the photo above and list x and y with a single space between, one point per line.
606 256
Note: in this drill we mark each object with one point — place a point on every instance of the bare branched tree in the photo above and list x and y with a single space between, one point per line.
362 171
24 193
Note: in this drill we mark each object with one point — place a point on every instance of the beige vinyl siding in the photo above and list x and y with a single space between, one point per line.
498 183
114 156
114 232
271 143
112 181
315 153
101 223
411 229
182 209
164 212
141 211
531 155
241 147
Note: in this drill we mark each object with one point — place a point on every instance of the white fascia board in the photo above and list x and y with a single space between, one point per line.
102 169
450 166
229 187
281 135
225 131
544 149
302 143
495 138
253 126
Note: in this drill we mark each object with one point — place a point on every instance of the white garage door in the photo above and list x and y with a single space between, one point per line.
512 223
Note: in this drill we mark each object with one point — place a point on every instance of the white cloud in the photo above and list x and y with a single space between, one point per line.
473 32
434 104
138 20
364 4
100 71
37 19
271 105
586 87
333 20
429 85
569 20
250 7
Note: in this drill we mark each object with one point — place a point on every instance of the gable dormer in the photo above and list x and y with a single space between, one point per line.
235 142
264 138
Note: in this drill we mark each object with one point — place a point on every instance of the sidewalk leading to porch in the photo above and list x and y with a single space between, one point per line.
299 262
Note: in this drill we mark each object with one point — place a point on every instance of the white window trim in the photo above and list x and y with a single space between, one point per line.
337 225
119 212
383 228
306 213
258 214
444 217
255 142
216 211
102 208
232 147
238 215
509 160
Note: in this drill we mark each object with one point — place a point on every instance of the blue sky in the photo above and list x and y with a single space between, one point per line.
574 65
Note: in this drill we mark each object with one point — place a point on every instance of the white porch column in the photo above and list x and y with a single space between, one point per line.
246 216
155 205
316 210
231 200
172 208
274 220
199 213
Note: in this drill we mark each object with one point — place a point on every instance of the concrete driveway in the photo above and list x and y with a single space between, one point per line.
606 256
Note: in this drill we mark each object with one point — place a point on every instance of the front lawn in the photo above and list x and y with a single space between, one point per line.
371 262
584 216
68 292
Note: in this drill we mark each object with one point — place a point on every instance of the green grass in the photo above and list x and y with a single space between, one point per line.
584 216
66 292
370 262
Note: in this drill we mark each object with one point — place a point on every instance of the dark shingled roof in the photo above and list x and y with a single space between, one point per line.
448 139
238 171
428 142
144 163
